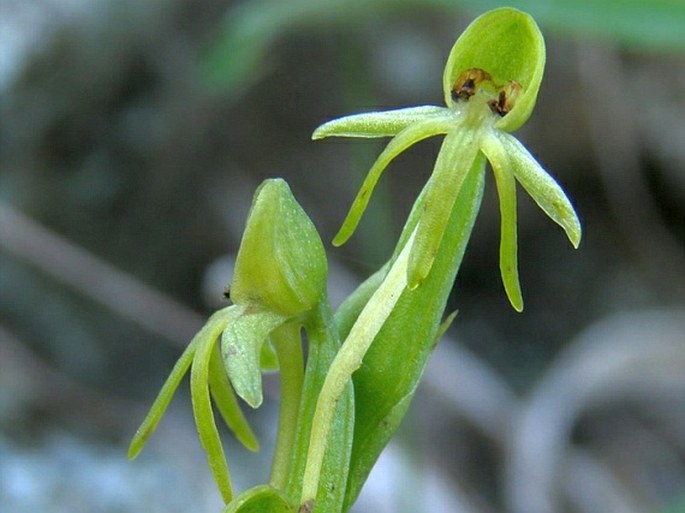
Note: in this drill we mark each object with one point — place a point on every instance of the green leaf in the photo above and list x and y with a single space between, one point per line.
376 124
165 395
410 135
241 348
508 45
546 192
348 311
394 364
227 403
644 26
281 262
239 55
261 499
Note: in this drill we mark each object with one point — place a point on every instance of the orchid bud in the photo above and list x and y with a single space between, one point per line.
281 264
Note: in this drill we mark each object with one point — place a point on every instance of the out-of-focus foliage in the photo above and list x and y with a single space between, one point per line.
241 50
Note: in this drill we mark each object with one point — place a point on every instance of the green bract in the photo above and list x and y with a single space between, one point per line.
385 383
491 81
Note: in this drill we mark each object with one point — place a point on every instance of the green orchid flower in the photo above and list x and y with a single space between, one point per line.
490 84
280 276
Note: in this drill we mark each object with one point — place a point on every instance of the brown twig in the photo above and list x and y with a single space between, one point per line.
96 279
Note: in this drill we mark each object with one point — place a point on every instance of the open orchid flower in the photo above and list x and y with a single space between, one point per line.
490 84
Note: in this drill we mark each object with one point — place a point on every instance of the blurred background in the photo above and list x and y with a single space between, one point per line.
132 136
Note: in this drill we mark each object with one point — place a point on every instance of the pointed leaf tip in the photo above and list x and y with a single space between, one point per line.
517 303
574 233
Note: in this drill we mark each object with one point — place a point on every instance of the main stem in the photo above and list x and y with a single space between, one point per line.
348 360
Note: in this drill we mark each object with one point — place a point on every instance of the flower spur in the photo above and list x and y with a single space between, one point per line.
490 86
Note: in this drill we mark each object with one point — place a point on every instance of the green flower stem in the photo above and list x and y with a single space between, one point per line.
288 345
323 345
386 382
348 360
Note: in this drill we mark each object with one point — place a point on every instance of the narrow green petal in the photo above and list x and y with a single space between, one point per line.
546 192
241 348
227 402
376 124
202 411
407 137
165 395
457 155
508 249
